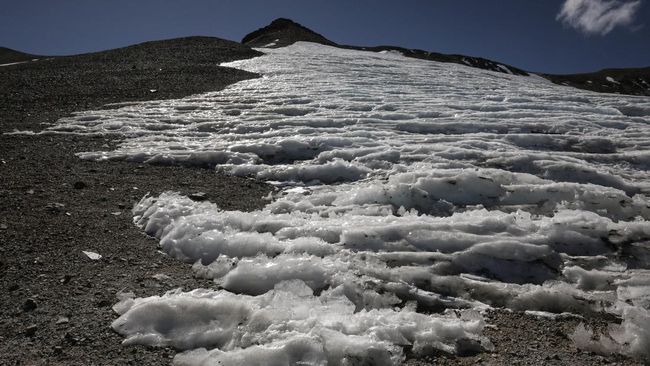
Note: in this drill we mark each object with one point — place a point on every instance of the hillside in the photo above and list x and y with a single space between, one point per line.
7 55
283 32
633 81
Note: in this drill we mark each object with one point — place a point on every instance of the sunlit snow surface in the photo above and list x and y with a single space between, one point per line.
409 187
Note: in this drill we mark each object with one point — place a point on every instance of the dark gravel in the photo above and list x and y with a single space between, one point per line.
55 303
521 339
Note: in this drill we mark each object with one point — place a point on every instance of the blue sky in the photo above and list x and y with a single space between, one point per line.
523 33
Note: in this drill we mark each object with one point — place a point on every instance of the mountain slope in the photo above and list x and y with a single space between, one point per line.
633 81
152 70
284 32
7 55
471 61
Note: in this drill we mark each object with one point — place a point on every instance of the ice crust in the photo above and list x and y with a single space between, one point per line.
289 325
409 187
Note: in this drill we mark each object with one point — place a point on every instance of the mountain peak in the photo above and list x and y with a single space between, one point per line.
283 32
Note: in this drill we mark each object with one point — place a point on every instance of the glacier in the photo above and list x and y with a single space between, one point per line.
411 196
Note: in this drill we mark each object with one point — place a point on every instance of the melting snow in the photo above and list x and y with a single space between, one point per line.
504 68
411 187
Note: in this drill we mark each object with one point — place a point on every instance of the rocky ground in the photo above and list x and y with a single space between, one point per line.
55 301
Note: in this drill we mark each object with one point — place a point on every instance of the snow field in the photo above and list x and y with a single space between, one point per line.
409 188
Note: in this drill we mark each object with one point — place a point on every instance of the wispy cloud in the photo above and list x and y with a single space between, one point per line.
598 16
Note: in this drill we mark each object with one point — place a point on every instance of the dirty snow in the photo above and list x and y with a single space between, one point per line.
409 188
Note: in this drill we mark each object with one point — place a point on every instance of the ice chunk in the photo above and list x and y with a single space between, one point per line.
289 323
92 255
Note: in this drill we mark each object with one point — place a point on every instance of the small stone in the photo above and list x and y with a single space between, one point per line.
3 227
55 206
79 185
30 331
66 279
63 320
70 338
29 305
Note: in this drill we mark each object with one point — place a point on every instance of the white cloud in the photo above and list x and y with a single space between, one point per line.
598 16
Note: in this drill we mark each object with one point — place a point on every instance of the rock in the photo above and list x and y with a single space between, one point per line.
467 347
55 207
3 227
92 255
30 331
79 185
13 287
57 350
63 320
29 305
198 196
66 279
161 277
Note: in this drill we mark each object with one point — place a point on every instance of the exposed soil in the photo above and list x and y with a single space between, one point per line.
55 302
